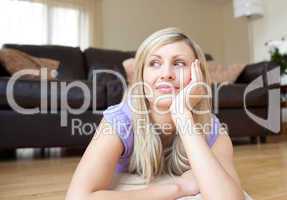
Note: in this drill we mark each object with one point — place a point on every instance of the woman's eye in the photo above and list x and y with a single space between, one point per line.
154 64
180 64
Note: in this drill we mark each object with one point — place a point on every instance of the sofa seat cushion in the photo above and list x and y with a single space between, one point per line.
27 94
231 96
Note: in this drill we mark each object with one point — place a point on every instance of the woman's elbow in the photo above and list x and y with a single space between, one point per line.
241 195
77 195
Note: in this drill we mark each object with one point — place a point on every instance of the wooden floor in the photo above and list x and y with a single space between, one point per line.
262 169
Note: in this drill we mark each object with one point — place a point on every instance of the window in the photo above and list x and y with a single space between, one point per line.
65 26
28 22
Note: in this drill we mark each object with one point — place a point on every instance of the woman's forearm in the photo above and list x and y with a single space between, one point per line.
156 192
213 180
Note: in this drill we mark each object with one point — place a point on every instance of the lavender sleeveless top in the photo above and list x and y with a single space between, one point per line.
120 117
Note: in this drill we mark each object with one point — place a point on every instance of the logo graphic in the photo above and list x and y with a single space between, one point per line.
272 78
272 122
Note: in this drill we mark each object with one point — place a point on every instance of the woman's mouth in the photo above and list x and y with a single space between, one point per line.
166 88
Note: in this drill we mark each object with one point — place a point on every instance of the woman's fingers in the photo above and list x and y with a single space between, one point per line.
195 87
196 75
188 96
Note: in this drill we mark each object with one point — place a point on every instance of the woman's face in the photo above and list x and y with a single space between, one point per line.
166 72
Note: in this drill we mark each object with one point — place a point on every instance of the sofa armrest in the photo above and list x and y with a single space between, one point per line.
27 93
254 70
232 96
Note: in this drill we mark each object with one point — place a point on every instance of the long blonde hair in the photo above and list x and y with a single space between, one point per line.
148 158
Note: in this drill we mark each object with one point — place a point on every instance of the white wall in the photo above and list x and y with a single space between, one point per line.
126 23
236 39
272 26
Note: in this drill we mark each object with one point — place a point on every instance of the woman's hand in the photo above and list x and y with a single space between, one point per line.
185 100
186 184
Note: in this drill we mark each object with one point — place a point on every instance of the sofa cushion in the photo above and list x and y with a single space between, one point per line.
106 77
208 57
98 57
71 59
3 71
15 60
219 73
115 84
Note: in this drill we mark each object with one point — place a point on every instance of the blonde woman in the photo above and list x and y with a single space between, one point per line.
159 128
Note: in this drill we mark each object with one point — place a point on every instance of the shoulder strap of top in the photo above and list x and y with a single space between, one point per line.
214 130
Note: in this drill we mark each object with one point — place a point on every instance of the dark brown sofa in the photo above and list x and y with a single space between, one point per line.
44 130
231 110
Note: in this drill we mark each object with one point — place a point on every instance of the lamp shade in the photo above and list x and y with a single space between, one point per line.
248 8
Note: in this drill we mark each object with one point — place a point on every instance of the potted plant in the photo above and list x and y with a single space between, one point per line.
278 52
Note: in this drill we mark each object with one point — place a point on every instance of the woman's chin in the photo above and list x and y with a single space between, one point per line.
162 103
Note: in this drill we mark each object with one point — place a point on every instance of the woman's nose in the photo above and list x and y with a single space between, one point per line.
167 73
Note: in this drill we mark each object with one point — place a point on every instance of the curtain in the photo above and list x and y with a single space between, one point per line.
57 22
